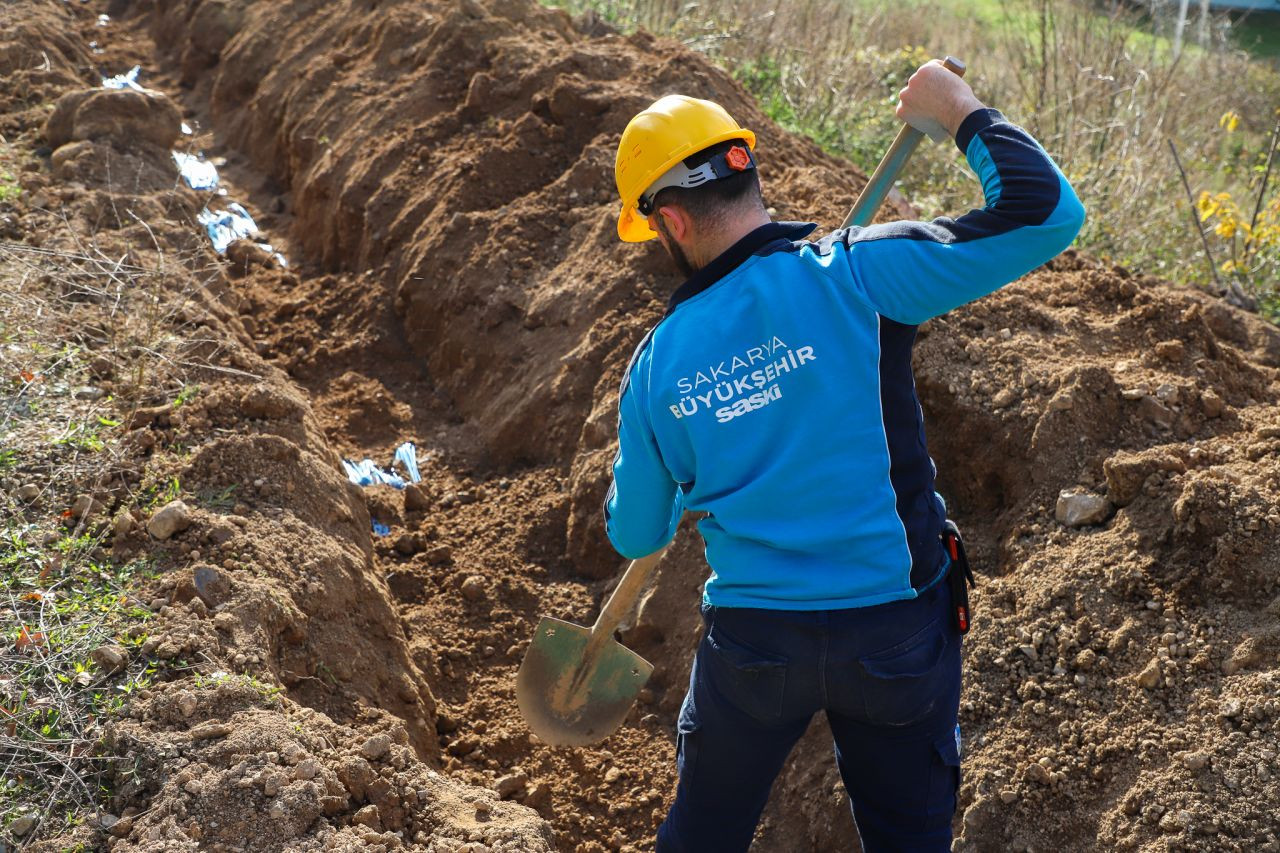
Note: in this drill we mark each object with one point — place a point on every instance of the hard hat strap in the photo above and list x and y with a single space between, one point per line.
736 160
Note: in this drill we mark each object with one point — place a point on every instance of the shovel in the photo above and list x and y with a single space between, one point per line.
577 684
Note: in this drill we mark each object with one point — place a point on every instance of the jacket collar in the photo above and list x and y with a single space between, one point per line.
733 257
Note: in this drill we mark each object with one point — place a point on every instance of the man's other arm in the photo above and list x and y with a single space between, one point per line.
911 271
644 504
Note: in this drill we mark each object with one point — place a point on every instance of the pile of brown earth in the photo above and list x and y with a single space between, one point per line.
288 712
440 173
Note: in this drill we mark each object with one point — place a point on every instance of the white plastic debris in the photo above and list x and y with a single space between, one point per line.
407 455
226 226
127 80
366 472
197 172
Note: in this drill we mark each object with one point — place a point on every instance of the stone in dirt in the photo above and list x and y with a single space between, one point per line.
86 506
110 658
245 254
186 703
210 585
22 825
1038 773
368 816
210 730
473 588
376 747
172 518
1211 403
1004 397
415 499
1149 678
123 525
1078 508
512 785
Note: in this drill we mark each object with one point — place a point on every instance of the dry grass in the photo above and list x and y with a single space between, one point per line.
73 312
1100 88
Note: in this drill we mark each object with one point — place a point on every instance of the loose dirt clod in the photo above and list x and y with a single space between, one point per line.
170 519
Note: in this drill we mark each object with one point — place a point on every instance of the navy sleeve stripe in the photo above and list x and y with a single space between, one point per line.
974 122
1029 194
910 469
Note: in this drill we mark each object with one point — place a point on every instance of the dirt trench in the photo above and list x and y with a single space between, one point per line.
439 174
509 397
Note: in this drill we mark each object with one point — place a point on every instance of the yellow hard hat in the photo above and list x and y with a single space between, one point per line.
656 140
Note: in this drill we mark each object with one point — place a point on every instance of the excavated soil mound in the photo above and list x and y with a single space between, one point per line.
442 173
461 154
284 709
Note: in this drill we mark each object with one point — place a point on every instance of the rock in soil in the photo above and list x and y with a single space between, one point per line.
173 517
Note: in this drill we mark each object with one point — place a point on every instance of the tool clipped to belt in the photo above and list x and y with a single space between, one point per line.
959 576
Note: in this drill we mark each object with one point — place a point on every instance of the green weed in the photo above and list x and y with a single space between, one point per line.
9 187
219 498
81 436
186 395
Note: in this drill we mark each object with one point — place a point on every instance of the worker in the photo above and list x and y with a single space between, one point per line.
776 397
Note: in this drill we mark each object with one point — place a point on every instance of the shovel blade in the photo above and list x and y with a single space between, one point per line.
566 703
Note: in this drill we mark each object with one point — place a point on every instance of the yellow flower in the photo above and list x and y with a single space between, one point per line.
1230 120
1206 205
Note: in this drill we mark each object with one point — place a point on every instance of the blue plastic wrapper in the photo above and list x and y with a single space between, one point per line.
198 172
366 472
227 226
127 80
380 528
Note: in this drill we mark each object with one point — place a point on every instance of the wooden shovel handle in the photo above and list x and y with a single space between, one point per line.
881 181
621 601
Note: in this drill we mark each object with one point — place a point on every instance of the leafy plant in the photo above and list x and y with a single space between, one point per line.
81 436
1248 237
9 187
186 395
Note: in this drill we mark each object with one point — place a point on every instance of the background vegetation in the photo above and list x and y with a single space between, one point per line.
1102 86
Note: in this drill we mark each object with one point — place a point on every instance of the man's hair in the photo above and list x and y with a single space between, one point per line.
706 204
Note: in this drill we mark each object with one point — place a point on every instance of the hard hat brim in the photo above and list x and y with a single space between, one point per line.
634 228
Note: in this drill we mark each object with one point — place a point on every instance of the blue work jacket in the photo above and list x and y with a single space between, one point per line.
777 394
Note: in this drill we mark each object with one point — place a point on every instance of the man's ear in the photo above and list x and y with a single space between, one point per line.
679 225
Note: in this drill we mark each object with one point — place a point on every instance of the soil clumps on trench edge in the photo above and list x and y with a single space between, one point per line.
441 174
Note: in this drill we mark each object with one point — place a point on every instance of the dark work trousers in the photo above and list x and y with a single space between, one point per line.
888 678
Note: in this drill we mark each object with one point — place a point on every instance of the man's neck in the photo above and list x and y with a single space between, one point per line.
715 244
